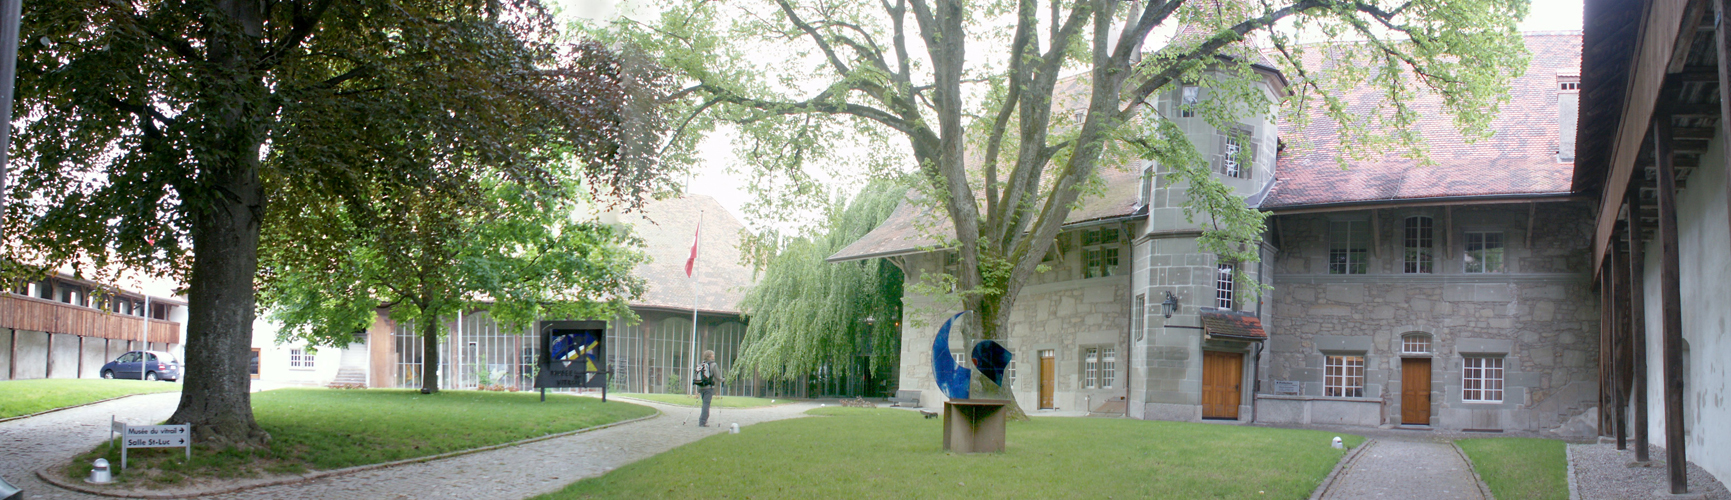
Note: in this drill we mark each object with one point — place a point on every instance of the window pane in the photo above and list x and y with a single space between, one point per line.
1349 246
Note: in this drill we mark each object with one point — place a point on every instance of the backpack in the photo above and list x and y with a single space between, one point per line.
705 375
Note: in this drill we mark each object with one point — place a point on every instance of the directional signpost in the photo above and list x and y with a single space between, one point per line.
151 436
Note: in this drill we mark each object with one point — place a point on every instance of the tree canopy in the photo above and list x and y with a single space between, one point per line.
162 136
1008 110
423 255
806 313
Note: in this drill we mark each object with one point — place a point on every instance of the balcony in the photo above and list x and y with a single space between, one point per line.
30 313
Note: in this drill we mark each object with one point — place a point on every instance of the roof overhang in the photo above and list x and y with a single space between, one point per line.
1490 199
1231 325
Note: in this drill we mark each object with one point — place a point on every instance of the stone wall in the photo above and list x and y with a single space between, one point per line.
1167 362
1058 310
1540 315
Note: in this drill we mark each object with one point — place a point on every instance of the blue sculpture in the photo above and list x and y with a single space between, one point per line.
952 378
991 359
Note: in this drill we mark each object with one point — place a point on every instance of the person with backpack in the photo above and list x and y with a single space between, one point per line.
705 380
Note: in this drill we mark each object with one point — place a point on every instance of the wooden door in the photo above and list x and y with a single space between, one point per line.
1222 374
1048 373
1415 391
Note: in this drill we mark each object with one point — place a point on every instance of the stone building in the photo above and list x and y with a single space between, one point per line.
1454 295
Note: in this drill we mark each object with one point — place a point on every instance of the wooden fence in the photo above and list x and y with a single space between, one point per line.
30 313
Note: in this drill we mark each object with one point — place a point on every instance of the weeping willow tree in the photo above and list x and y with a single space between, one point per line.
807 313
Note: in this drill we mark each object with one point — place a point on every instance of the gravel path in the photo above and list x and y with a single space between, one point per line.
1406 469
30 443
511 472
1602 472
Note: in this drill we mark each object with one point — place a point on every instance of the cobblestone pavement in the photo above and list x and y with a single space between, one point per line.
1603 473
1406 469
31 443
511 472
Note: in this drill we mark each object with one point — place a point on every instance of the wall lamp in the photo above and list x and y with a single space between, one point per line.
1170 305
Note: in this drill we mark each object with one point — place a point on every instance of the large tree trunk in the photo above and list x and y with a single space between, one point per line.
224 203
216 398
430 360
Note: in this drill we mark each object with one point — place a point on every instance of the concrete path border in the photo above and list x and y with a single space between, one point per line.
1345 461
81 405
1484 489
50 477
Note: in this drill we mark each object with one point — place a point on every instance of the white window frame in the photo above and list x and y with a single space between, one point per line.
1420 244
1482 379
1342 235
1343 375
1100 257
1188 97
1108 366
1415 343
1224 297
1010 375
1090 366
300 359
1468 261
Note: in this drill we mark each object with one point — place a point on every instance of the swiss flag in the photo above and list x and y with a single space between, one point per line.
691 263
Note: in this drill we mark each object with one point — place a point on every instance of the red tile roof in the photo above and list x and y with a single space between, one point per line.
910 228
1232 324
1519 158
666 227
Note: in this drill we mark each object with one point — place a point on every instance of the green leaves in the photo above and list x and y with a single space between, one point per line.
805 312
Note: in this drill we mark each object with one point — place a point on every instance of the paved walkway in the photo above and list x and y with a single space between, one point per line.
511 472
1395 469
30 443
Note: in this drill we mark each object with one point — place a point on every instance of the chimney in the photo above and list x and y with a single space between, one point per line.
1568 114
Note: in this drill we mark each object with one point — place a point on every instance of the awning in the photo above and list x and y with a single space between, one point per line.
1234 325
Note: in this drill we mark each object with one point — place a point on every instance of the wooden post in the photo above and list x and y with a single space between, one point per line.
1605 321
1722 41
1670 305
1620 343
1638 323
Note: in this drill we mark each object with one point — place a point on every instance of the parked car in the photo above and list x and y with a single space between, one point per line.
143 365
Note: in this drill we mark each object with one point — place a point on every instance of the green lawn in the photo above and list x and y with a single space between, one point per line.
885 453
330 429
24 397
715 402
1520 468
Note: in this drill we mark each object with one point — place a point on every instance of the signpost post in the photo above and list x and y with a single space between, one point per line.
573 354
151 436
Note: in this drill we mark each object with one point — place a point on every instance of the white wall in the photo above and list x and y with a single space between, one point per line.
273 359
1704 248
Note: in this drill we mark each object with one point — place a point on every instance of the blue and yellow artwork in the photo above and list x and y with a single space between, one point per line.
577 348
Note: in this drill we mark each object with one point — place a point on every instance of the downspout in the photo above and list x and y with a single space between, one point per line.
1255 380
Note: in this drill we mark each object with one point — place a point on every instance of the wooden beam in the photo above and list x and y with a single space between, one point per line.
1376 233
1722 41
1532 213
1638 325
1621 345
1671 307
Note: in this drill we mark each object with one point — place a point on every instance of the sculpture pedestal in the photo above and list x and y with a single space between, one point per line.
975 425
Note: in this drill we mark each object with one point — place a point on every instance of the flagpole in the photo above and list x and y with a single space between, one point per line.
696 290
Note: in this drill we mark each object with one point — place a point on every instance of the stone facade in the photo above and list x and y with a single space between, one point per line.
1061 311
1540 316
